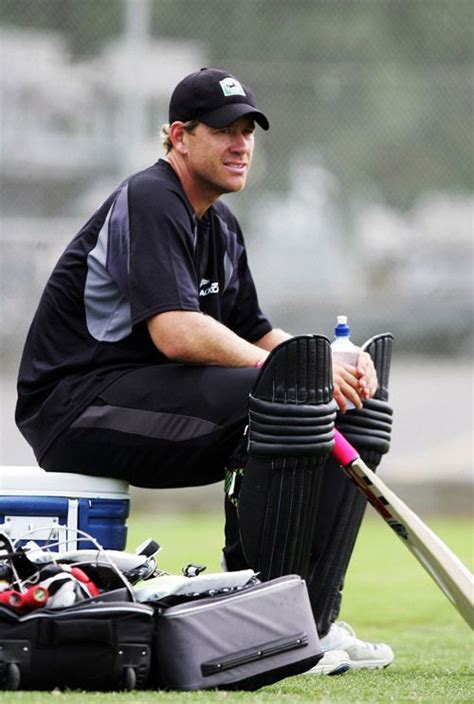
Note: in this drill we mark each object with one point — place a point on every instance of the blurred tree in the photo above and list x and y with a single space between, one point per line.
86 24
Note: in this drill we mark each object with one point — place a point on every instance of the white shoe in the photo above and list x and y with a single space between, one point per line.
361 654
334 662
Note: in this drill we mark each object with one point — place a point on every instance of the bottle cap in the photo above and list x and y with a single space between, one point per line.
342 329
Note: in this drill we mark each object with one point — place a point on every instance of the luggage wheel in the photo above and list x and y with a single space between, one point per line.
134 663
13 676
15 656
129 679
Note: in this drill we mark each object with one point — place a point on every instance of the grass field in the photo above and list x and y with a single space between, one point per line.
387 597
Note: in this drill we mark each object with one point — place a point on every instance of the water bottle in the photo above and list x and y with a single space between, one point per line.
342 349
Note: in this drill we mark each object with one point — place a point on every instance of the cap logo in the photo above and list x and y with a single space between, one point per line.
230 86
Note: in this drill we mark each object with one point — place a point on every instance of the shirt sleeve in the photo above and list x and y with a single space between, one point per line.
162 265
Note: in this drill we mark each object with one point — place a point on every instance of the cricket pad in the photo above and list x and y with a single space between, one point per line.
291 429
369 430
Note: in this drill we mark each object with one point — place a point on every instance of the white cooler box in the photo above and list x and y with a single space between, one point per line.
52 507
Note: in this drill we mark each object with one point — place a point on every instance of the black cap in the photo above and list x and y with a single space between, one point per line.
214 97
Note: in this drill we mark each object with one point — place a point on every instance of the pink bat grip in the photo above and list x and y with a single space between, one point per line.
343 450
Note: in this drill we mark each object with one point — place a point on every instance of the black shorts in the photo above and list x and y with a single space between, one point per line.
162 426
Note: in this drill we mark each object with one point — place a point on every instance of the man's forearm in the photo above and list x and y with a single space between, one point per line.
272 339
196 338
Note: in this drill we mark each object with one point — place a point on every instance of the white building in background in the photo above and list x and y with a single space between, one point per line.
319 252
69 132
44 103
62 119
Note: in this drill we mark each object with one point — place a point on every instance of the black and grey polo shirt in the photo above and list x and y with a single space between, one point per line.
142 253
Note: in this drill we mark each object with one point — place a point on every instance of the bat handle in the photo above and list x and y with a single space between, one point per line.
343 450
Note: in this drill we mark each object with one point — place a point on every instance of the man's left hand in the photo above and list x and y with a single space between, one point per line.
367 375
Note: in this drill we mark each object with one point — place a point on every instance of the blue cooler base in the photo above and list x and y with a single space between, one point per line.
60 508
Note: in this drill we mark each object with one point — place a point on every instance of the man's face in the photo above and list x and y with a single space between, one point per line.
219 158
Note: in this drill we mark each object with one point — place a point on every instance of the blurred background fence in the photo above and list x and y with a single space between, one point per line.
360 200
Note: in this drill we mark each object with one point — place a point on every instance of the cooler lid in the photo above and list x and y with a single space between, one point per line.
34 480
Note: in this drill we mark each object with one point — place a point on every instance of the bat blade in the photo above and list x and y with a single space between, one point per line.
446 569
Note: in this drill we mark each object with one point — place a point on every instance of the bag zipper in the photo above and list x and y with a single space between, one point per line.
92 609
184 609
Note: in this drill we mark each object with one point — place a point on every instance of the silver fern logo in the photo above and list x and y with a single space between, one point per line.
230 86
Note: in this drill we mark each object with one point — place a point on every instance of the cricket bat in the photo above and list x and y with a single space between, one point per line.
447 570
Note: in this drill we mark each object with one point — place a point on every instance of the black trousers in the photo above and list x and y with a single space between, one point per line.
181 426
160 426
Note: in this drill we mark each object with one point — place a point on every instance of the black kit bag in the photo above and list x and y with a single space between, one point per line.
245 639
92 645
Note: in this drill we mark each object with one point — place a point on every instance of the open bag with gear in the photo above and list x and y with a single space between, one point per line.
98 619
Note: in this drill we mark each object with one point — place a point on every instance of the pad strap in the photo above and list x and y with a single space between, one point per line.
368 428
277 429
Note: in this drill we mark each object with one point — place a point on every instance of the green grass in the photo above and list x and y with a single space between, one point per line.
387 597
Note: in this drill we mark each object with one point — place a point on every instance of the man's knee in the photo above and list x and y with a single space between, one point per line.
224 393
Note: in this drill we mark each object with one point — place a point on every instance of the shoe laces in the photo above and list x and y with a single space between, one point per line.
346 636
346 630
344 626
